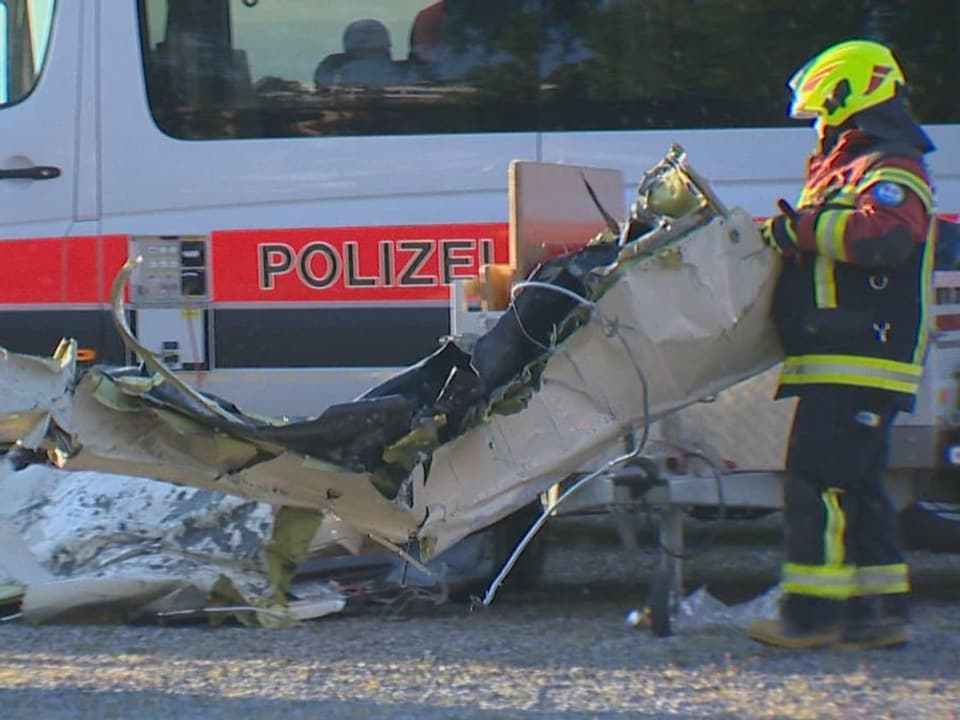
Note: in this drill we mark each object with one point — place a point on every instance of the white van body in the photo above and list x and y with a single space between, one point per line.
260 252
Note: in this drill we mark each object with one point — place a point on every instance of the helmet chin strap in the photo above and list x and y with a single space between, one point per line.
830 134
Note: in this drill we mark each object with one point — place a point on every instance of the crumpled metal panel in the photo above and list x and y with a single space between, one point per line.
673 324
692 321
34 388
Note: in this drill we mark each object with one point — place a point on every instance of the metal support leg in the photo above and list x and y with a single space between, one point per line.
625 523
667 585
671 546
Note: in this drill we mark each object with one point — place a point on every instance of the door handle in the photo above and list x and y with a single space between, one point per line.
37 172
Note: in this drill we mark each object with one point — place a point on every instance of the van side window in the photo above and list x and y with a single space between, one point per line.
235 69
222 69
24 39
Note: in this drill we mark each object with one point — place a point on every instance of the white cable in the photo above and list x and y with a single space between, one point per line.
553 288
528 537
277 614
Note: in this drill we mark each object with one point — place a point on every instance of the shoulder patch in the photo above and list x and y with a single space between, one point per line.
889 193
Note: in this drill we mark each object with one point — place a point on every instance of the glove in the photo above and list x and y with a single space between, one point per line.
779 231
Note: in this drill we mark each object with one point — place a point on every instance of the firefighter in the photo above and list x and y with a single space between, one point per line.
851 310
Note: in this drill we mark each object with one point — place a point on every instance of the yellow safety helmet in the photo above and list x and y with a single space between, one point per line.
843 80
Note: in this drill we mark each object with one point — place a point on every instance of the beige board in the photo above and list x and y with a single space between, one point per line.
551 211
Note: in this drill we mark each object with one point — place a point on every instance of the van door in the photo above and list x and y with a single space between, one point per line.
38 116
51 280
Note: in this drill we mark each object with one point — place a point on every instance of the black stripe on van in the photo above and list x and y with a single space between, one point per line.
253 338
37 332
327 337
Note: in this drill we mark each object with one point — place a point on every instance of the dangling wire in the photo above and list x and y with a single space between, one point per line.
612 464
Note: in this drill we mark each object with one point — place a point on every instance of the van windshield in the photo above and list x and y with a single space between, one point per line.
24 36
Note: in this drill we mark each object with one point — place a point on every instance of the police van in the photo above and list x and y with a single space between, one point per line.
305 180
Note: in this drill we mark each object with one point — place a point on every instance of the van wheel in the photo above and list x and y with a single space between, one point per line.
933 526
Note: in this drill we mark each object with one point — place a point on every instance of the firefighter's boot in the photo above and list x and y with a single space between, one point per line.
802 623
780 632
882 621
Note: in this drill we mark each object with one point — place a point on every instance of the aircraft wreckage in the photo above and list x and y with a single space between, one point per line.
649 316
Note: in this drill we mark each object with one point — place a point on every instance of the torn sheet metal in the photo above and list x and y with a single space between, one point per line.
89 547
684 324
603 340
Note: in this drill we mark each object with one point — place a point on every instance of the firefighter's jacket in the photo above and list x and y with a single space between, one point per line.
851 301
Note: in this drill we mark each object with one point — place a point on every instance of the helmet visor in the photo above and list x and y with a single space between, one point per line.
797 111
794 82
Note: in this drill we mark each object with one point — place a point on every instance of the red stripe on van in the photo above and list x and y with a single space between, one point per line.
31 271
114 249
79 268
947 322
351 264
405 263
60 271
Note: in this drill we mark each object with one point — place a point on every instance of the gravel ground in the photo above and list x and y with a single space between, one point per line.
561 651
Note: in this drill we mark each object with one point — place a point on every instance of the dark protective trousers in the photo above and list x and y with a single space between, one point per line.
842 539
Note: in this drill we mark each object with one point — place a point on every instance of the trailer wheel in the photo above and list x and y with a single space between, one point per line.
659 603
933 526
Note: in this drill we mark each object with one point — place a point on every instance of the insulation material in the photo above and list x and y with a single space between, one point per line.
88 547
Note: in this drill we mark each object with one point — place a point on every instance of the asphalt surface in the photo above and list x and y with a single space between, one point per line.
561 650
